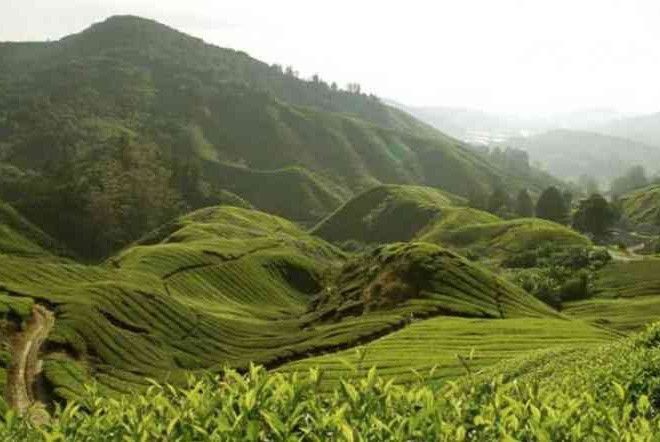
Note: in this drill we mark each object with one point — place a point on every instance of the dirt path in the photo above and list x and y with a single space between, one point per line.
25 363
630 253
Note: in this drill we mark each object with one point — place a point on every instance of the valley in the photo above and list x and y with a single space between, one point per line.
197 245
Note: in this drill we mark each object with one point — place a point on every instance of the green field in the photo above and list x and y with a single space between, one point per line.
626 296
455 346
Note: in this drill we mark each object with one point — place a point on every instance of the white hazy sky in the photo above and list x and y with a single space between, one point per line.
497 55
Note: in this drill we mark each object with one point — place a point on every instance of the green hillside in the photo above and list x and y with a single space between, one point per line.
606 392
386 214
229 286
642 206
22 238
503 238
404 213
626 296
132 110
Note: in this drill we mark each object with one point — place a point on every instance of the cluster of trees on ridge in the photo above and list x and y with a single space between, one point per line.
593 215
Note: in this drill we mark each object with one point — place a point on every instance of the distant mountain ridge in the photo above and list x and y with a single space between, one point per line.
570 153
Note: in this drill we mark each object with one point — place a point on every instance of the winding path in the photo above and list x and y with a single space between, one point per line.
25 363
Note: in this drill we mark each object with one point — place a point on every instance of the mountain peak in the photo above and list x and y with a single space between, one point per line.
129 30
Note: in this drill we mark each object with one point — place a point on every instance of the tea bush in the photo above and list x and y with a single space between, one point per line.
572 396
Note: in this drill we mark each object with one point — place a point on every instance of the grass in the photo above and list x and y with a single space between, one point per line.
377 215
454 345
229 286
642 206
626 296
607 392
20 237
502 238
407 213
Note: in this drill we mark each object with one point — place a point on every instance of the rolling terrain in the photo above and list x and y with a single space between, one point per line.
229 286
404 213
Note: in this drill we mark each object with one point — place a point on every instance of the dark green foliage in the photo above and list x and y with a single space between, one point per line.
552 206
524 204
634 178
386 214
499 201
594 215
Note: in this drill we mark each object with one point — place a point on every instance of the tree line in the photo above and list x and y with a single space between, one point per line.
593 215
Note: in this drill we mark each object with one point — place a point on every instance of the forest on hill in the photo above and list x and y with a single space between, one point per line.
130 123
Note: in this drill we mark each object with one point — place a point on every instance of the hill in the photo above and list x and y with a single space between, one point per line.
404 213
626 297
643 129
132 110
385 214
642 206
229 286
570 153
20 237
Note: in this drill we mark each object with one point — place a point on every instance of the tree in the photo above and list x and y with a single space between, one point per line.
498 201
477 199
588 184
524 204
568 198
354 88
594 215
634 178
128 193
551 206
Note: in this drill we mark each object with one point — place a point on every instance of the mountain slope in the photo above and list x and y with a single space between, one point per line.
130 100
22 238
385 214
642 206
569 154
407 213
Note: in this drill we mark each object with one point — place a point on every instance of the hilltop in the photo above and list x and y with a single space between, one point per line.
406 213
132 110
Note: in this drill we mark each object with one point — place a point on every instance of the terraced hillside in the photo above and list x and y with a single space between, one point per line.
642 206
502 238
387 213
404 213
450 347
20 237
229 286
626 296
130 99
